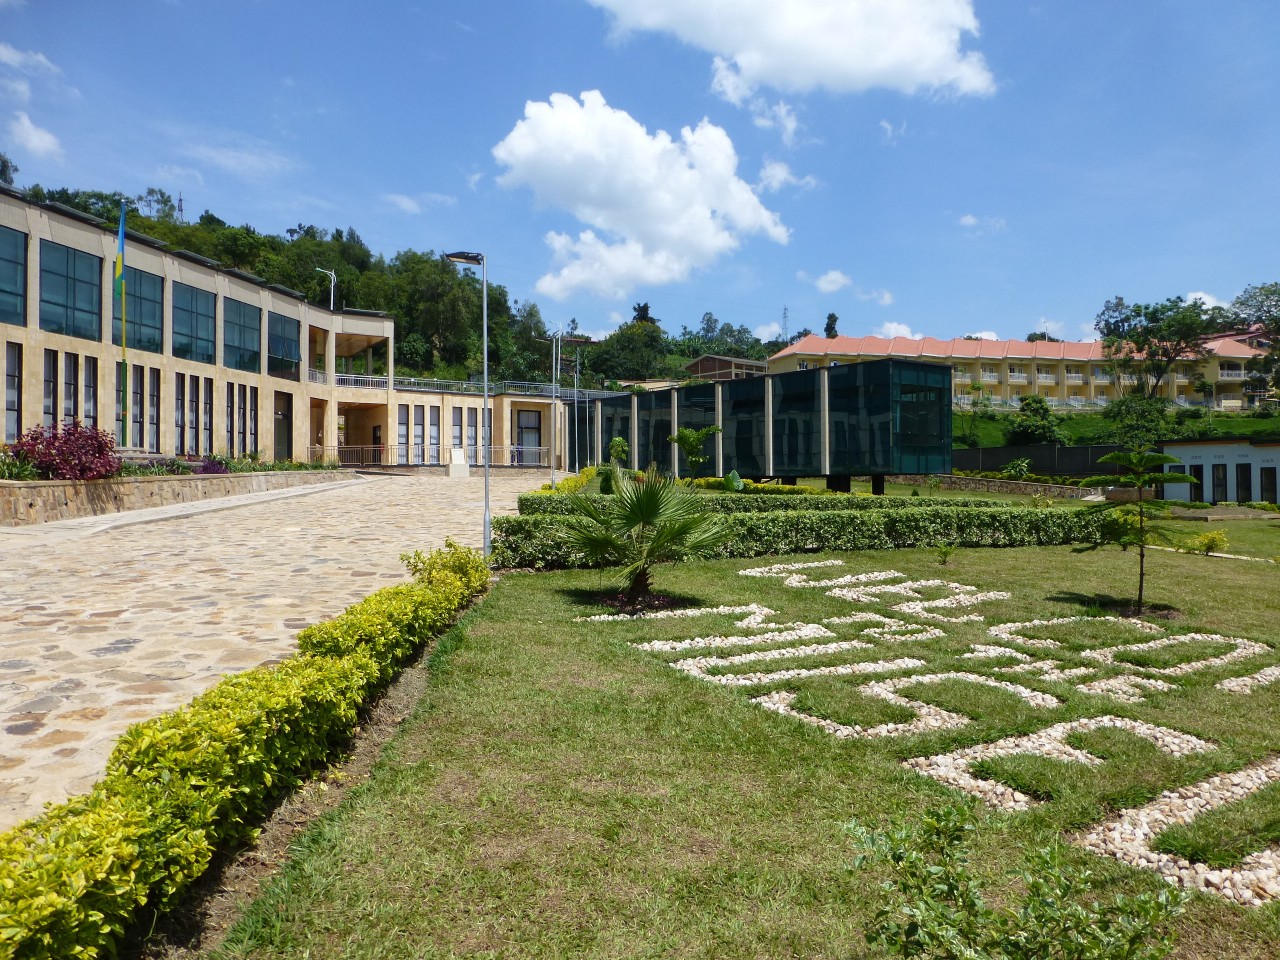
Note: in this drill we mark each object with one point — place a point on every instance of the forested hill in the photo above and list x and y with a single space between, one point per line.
435 304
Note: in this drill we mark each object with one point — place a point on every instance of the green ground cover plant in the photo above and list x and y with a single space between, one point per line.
561 792
1248 538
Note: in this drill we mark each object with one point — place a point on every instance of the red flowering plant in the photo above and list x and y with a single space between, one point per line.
71 451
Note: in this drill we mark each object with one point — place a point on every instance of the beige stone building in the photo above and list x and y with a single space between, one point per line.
1067 374
221 362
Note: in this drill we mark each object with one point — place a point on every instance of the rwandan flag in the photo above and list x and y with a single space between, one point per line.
124 340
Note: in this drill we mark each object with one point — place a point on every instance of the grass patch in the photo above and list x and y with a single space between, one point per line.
1224 837
559 792
1175 655
1246 538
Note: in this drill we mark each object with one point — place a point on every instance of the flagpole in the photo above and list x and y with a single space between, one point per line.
124 334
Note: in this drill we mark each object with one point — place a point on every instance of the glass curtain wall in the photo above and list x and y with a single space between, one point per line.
743 419
797 424
615 421
653 427
696 410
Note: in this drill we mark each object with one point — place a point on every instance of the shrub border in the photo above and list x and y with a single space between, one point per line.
180 786
532 504
535 542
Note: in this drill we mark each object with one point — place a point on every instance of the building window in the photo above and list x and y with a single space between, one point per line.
179 412
231 419
402 432
153 410
419 437
91 391
70 388
241 336
70 291
136 408
194 326
253 420
193 415
144 312
471 435
433 437
242 421
284 349
802 365
50 387
1219 482
457 426
1244 482
12 391
208 415
13 277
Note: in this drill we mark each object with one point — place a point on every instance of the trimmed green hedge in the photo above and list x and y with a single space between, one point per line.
180 786
534 541
531 504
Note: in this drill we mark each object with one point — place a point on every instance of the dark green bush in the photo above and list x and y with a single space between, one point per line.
534 542
534 504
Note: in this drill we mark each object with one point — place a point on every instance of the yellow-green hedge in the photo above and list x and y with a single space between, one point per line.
179 786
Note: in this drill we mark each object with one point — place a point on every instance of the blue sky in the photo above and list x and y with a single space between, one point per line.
919 167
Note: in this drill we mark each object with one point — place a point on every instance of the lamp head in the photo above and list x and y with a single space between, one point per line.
473 259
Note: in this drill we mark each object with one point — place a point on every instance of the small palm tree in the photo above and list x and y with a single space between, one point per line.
1140 470
648 521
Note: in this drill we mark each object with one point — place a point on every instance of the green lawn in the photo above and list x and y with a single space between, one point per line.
1248 538
561 793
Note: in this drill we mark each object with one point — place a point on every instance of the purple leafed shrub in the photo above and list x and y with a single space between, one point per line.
210 465
70 452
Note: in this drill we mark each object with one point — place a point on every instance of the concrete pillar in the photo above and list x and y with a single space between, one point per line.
768 426
824 418
675 425
635 431
720 423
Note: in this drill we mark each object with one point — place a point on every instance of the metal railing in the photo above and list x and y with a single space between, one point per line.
1046 378
424 385
317 376
427 455
990 377
361 381
1017 378
1102 378
1075 378
1231 374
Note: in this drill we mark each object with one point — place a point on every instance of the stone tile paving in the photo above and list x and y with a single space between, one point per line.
105 621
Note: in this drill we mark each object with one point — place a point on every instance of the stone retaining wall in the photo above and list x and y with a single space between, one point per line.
40 501
979 485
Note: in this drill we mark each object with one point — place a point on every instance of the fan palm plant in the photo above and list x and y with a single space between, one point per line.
650 520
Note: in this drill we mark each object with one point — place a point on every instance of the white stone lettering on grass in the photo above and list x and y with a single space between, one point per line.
928 718
1008 631
786 569
907 589
1129 837
890 629
954 770
987 651
1264 677
1126 688
1243 650
1048 670
794 632
754 609
842 670
924 608
699 666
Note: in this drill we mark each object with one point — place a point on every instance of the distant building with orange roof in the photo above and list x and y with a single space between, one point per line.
1066 373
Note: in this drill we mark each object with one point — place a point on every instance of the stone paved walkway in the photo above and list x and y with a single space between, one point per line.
105 621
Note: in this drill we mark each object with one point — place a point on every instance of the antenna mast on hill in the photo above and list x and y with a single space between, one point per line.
181 218
785 335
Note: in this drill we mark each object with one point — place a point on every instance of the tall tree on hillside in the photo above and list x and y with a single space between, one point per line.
830 330
1259 307
1040 335
640 314
1148 339
8 170
635 351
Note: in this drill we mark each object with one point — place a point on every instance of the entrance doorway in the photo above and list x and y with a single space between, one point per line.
284 426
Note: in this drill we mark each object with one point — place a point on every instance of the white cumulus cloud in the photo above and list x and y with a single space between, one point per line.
984 335
881 298
1209 299
891 329
655 208
775 175
33 139
978 226
842 46
25 61
768 331
832 280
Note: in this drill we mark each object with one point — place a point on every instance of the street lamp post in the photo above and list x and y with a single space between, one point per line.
333 282
478 260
